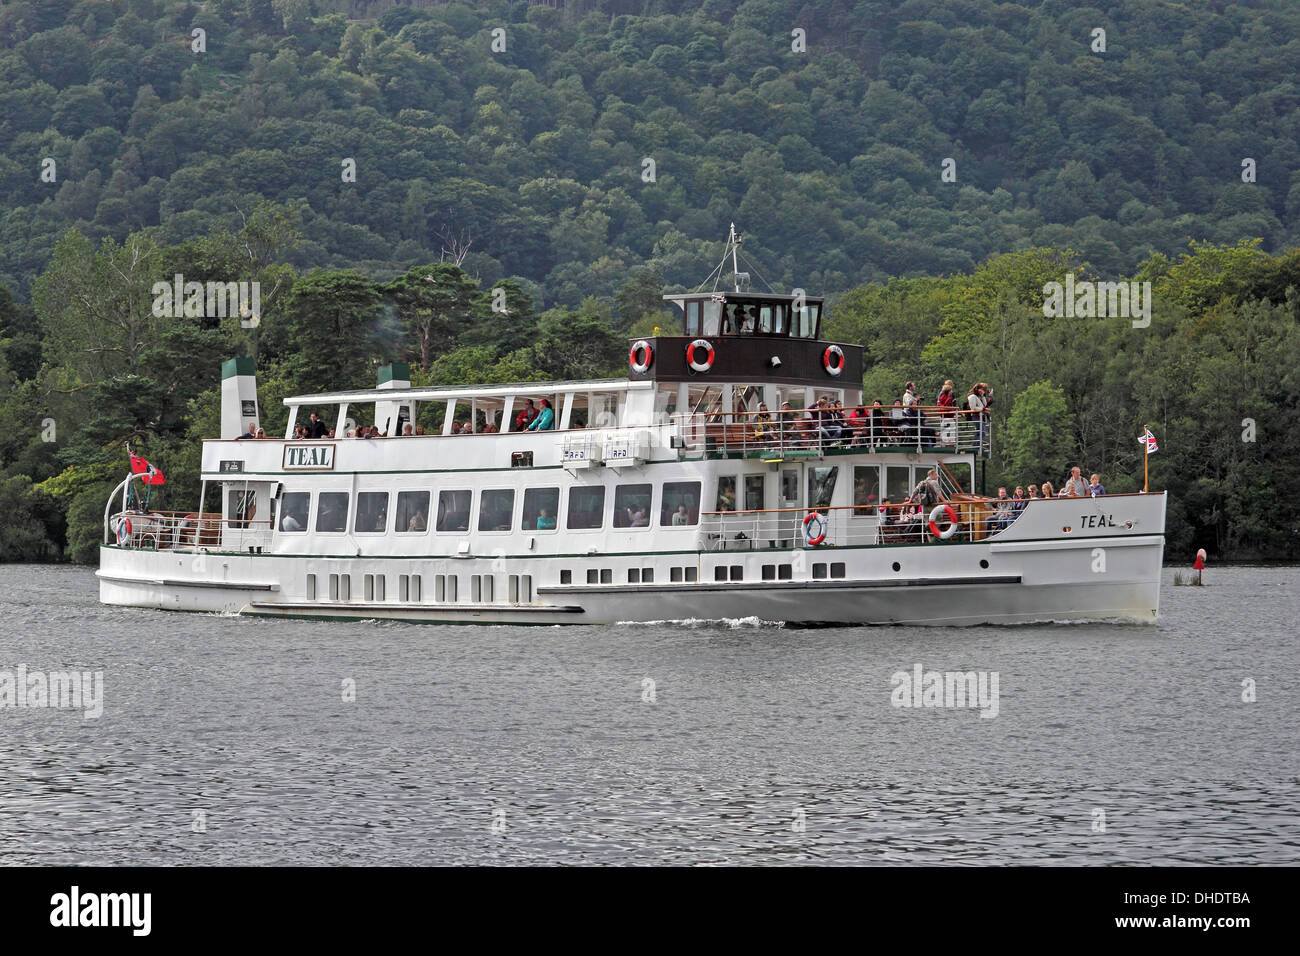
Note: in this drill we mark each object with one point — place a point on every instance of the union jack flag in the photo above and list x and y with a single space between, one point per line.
1149 440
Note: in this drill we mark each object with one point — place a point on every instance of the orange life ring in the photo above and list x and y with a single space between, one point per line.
640 365
814 540
953 523
833 368
707 363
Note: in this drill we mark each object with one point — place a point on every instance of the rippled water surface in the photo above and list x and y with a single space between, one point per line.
542 745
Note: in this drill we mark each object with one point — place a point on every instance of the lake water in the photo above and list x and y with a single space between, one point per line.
754 744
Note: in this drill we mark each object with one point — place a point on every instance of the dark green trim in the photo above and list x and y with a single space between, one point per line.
396 372
237 366
280 475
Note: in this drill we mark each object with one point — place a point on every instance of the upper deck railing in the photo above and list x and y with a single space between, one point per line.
811 433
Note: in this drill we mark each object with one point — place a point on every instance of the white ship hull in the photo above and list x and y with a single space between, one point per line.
1023 574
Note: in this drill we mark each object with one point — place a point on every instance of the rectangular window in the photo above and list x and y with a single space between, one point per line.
769 572
345 587
753 492
819 571
821 486
632 506
586 507
692 575
765 318
837 569
311 587
606 576
372 512
726 493
453 511
332 511
789 488
412 512
403 588
737 572
647 575
294 506
712 318
693 318
243 508
414 593
866 490
566 576
496 509
633 575
896 483
785 572
593 576
541 506
675 575
720 573
681 503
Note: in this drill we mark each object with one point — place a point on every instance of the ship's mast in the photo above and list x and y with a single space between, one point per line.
733 240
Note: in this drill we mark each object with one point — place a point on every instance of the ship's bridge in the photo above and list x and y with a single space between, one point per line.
751 340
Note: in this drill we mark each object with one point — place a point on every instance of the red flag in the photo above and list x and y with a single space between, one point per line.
152 476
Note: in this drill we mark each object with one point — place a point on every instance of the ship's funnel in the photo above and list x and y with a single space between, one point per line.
392 417
238 397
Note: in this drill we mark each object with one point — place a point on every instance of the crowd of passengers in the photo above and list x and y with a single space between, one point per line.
530 418
912 513
828 422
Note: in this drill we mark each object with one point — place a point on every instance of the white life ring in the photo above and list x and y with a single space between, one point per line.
641 364
833 360
814 539
123 532
700 366
940 511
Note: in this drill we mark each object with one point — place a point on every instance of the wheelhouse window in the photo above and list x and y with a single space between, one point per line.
294 508
372 513
412 512
632 506
541 507
453 511
681 504
866 490
332 512
496 509
753 492
726 493
692 318
712 318
243 508
586 508
821 486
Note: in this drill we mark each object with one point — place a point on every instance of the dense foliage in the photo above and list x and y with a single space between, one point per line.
518 178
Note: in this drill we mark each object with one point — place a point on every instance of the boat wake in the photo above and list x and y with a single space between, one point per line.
734 623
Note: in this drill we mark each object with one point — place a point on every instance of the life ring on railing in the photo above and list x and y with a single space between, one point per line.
833 360
814 539
640 365
953 524
707 363
123 532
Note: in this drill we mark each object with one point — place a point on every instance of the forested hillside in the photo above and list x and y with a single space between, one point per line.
535 155
384 173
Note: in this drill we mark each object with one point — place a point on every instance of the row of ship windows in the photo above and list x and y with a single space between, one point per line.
679 505
410 588
519 587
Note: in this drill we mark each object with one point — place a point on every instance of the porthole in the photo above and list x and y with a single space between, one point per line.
897 566
984 563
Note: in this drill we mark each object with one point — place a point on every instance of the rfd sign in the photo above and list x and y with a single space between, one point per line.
308 458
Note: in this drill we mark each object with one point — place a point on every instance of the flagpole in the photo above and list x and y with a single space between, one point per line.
1146 459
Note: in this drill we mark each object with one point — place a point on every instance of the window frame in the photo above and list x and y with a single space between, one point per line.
469 512
356 512
306 522
598 510
427 504
320 507
482 497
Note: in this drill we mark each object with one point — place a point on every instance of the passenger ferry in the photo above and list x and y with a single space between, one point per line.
706 484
